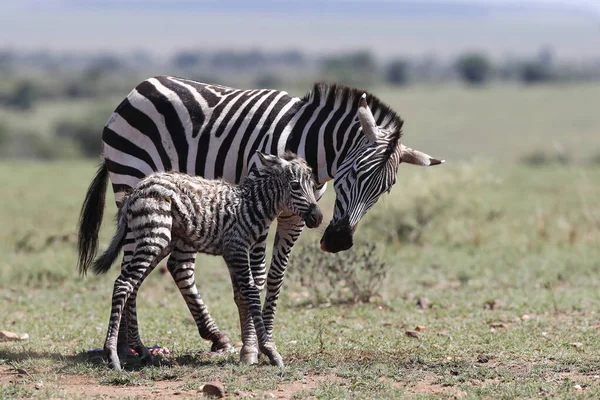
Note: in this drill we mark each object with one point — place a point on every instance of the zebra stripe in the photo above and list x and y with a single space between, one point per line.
169 212
214 131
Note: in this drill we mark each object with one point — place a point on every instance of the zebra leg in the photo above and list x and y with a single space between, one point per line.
249 351
147 254
247 298
123 342
289 229
257 260
181 267
133 331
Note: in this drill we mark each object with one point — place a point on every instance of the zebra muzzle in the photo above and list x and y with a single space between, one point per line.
313 217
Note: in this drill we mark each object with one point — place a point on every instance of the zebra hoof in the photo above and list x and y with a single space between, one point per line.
249 355
114 362
277 362
223 345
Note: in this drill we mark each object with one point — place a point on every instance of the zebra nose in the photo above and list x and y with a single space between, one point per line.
337 236
314 216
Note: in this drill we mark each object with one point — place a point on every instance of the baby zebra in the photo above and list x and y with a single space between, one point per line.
173 211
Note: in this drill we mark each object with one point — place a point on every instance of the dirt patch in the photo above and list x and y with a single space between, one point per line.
427 385
78 385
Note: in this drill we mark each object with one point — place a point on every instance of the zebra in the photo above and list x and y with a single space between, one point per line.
170 211
166 122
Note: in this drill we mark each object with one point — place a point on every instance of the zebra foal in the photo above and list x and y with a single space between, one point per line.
174 212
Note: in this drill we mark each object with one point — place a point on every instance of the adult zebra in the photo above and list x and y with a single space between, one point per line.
169 123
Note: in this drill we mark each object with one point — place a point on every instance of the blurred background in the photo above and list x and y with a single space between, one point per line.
496 79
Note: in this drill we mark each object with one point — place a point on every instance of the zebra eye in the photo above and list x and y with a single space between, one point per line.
295 185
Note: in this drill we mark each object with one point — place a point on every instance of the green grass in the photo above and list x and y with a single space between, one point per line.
527 238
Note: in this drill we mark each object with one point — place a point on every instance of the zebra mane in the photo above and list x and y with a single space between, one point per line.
330 93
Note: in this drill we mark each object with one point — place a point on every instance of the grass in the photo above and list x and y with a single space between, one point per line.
509 267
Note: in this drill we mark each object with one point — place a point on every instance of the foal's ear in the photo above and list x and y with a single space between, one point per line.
269 160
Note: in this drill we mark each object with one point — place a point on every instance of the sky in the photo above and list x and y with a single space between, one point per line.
388 28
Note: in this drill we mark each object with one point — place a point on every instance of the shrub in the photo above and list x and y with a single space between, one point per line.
22 97
474 68
358 68
352 276
85 133
535 72
397 72
540 157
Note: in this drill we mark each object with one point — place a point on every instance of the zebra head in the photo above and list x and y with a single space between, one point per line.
367 171
299 186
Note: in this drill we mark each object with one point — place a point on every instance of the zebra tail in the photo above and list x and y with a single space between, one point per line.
107 259
90 219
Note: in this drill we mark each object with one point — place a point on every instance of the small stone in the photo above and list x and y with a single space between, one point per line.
177 393
163 269
525 317
39 385
412 334
420 328
215 389
577 345
483 358
577 387
498 325
269 396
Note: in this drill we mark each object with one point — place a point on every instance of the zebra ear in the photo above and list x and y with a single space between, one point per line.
269 160
416 157
367 121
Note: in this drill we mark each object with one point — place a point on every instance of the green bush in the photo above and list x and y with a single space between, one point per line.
85 133
22 97
351 276
358 68
474 68
397 72
535 72
540 157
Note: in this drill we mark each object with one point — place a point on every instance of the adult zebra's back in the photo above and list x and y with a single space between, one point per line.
213 131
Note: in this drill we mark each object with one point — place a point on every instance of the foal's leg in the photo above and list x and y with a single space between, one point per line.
247 298
123 343
181 267
249 351
146 256
133 331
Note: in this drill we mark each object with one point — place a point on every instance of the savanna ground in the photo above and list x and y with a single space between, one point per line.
497 261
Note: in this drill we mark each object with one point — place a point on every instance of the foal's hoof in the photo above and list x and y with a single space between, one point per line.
113 361
249 355
277 362
223 345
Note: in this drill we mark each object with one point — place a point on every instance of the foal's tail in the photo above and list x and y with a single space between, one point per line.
107 259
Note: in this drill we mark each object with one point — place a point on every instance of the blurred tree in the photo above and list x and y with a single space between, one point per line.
268 81
397 72
474 68
290 58
85 133
535 72
358 68
22 97
186 60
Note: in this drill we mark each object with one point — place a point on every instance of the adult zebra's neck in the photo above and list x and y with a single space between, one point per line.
326 129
